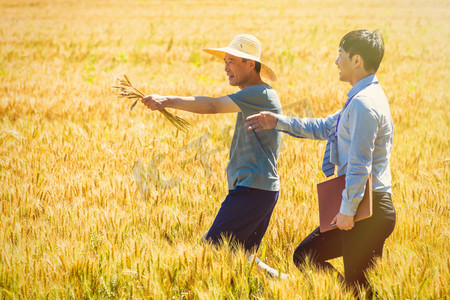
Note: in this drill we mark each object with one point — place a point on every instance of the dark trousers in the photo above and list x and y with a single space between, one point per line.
244 216
358 246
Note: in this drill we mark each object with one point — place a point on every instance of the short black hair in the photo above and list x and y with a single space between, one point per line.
368 44
257 65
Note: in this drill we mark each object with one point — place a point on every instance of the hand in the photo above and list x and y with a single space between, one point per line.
261 121
155 102
343 222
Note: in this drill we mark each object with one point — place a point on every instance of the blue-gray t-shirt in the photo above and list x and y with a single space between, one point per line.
253 156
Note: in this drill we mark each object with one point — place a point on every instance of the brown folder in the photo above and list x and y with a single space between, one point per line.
330 198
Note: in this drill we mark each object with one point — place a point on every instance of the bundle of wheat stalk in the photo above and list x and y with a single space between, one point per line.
127 90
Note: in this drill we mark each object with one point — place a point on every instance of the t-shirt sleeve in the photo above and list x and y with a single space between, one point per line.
254 99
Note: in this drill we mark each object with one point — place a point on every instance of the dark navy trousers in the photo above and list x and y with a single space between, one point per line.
244 216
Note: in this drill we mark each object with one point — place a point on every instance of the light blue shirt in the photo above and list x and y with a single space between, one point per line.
364 140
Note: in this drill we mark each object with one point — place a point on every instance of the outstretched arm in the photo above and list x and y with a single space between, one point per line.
198 104
310 128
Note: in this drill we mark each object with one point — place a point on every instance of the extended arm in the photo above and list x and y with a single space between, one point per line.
198 104
311 128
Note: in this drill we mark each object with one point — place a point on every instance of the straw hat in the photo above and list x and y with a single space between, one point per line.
245 46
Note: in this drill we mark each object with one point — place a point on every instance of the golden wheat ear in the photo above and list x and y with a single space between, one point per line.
127 90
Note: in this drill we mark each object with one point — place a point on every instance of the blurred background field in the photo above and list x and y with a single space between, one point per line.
73 223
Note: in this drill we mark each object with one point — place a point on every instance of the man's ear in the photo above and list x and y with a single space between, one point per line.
251 64
357 60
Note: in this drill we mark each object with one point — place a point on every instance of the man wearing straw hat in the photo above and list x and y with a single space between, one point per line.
252 169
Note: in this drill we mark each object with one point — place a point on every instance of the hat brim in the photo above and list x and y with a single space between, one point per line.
220 53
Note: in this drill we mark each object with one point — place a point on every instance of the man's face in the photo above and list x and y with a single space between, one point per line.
345 65
238 72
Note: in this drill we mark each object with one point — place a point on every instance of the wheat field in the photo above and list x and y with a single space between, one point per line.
98 201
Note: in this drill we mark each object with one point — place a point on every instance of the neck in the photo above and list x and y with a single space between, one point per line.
358 76
254 80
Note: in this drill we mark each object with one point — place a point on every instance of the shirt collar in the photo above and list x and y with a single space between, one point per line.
362 84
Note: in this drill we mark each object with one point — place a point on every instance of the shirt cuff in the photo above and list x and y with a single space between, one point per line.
283 123
348 208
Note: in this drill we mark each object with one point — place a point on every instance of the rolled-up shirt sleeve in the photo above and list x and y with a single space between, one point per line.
309 128
363 127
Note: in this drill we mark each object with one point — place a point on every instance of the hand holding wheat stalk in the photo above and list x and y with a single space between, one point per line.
127 90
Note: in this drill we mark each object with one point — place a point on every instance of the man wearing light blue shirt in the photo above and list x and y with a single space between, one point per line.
360 138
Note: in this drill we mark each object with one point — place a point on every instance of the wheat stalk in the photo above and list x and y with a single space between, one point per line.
127 90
